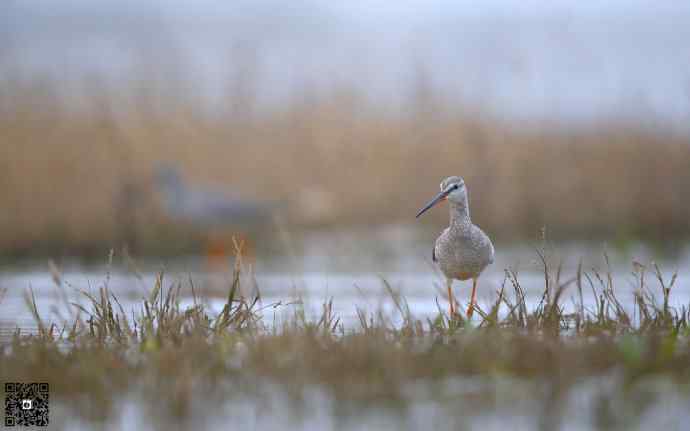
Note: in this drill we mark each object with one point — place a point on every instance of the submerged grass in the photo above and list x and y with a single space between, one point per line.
182 363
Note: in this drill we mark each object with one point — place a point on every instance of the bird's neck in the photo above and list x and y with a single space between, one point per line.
460 216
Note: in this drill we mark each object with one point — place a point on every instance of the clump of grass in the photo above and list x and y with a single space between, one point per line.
166 353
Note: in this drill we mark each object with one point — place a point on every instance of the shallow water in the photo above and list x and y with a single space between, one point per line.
339 270
338 267
487 403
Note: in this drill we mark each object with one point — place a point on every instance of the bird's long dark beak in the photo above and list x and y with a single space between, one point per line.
438 198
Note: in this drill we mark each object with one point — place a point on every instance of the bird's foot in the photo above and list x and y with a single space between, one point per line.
470 311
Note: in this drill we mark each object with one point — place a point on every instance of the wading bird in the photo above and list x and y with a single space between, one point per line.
211 211
462 251
206 206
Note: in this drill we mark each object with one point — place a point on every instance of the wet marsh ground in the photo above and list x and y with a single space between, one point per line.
346 331
172 357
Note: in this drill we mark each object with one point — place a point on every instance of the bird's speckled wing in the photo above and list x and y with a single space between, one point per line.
434 257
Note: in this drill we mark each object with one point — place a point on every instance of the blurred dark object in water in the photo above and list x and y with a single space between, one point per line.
224 219
206 206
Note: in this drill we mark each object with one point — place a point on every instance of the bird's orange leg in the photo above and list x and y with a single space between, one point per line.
451 301
470 308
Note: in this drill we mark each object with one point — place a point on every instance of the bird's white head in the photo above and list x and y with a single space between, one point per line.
455 189
452 189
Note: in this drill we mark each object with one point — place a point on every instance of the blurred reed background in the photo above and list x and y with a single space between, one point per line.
93 98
